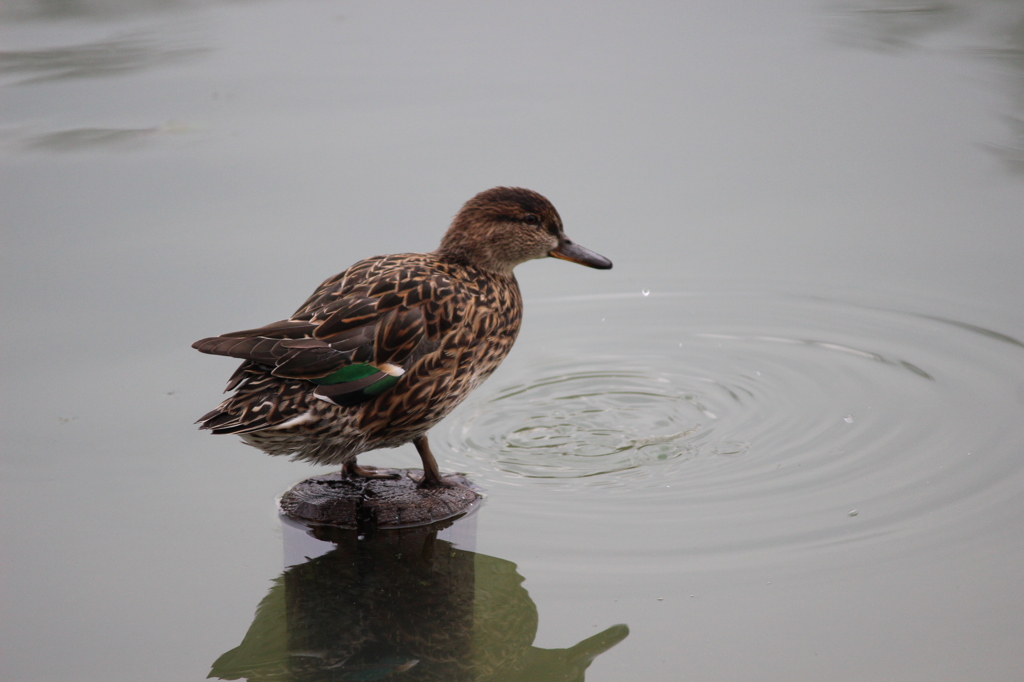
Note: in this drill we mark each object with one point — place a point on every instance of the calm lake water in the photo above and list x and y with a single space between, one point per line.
783 439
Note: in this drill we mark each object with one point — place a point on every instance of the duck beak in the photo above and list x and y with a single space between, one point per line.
575 253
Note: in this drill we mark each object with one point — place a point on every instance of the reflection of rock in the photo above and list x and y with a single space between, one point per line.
78 139
402 605
994 29
103 58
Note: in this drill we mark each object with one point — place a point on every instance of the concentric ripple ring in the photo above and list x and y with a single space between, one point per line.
754 420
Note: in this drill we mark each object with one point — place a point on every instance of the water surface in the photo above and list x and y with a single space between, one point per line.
780 440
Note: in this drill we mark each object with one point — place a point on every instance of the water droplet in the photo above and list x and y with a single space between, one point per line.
848 419
852 513
646 292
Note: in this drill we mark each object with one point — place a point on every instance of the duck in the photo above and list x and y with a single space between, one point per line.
383 351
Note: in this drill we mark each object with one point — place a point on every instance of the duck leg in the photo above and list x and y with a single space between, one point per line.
431 474
353 470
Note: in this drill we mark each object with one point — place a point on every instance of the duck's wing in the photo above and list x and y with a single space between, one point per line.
358 333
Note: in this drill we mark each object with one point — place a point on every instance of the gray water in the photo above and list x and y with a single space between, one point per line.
780 440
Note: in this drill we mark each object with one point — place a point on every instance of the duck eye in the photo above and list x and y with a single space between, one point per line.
531 219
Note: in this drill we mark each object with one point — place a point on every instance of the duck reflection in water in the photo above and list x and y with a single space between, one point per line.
402 605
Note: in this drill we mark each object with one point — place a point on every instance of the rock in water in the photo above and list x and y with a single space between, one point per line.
368 504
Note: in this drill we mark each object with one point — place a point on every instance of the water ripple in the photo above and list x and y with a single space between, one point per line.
746 422
578 424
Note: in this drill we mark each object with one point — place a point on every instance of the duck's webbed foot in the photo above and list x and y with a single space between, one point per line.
353 470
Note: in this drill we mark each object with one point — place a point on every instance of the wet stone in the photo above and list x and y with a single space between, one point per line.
368 504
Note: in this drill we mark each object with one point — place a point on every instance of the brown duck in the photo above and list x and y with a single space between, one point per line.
384 350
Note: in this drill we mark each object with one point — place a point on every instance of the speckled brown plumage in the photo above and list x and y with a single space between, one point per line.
384 350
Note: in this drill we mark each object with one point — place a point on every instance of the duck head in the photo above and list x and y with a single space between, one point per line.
504 226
